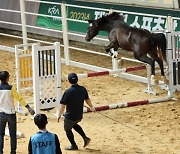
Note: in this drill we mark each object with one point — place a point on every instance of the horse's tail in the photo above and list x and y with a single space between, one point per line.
160 42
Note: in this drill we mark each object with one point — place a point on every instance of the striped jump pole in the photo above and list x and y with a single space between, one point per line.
123 70
128 104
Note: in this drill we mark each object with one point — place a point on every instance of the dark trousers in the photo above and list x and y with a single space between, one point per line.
11 120
68 125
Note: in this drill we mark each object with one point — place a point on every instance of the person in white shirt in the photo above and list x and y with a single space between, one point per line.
7 111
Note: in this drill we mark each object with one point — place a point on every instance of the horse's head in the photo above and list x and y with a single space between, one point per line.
92 30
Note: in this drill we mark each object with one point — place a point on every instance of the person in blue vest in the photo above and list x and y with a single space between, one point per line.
7 110
43 142
73 100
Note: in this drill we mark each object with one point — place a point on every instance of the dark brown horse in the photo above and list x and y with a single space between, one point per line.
140 41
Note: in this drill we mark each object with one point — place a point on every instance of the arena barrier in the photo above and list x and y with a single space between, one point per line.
42 74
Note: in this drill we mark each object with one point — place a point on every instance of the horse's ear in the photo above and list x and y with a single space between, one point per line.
90 21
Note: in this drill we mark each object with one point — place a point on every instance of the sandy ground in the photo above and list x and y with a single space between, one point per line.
145 129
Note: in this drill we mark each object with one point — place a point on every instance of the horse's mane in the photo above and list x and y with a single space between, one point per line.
111 17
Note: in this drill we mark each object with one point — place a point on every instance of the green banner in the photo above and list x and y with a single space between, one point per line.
140 19
49 22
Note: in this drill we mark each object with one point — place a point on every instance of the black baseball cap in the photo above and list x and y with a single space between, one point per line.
73 78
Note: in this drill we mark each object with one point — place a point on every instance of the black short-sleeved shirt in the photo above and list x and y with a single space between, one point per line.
74 98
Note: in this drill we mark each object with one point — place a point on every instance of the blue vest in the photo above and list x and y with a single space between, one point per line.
43 143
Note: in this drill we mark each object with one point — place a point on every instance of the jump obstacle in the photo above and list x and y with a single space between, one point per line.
173 58
130 69
38 69
174 75
46 63
40 63
42 74
125 104
119 72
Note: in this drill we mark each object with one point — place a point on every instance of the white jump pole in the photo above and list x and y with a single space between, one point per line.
36 93
115 64
65 33
19 107
23 21
59 75
24 33
93 74
170 65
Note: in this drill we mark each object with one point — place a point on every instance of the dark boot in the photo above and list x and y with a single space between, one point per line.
70 136
86 141
72 147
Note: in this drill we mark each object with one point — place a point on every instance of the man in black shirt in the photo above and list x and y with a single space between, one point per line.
73 100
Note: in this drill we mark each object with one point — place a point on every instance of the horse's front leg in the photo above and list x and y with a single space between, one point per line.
108 49
111 49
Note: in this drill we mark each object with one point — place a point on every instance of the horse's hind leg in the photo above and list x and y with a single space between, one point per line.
146 60
149 61
160 63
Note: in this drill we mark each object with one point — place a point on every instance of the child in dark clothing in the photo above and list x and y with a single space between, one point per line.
43 141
